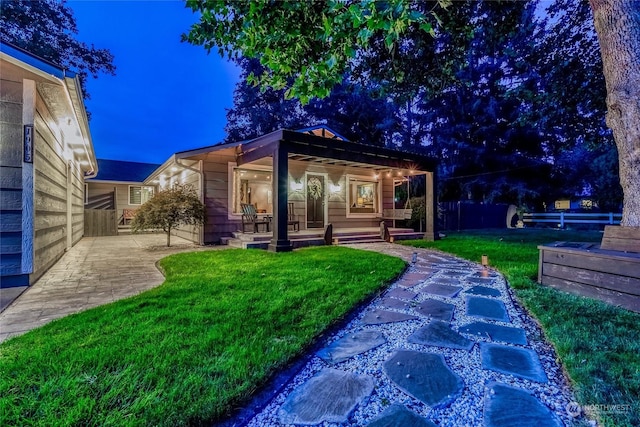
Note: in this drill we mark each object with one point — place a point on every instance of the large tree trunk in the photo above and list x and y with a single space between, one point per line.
617 23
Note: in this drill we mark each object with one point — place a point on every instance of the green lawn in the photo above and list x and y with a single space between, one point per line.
191 350
599 345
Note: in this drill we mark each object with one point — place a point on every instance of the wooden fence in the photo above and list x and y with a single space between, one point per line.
563 218
100 222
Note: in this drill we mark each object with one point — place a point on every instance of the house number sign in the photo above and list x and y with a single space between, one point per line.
28 143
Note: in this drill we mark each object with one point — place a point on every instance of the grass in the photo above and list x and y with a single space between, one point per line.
191 350
598 344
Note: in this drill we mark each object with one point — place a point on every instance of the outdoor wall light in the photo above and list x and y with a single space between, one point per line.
296 185
335 188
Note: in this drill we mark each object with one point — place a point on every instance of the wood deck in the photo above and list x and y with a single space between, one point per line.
588 270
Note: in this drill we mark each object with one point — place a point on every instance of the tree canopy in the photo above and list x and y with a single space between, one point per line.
169 209
47 28
512 104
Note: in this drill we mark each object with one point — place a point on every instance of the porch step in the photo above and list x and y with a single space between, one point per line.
316 237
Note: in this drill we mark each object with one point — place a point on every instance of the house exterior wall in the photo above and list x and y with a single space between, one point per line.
121 193
11 165
59 194
192 178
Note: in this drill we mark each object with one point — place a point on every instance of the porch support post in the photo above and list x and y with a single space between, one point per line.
280 240
430 206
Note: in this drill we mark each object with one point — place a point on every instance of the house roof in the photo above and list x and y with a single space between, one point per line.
320 144
122 171
61 91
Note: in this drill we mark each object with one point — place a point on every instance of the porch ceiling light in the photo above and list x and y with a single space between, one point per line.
335 188
174 169
296 186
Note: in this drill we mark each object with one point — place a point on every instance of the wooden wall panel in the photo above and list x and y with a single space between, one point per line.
50 201
190 232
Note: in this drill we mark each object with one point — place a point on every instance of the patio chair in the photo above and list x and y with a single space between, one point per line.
250 217
291 218
127 215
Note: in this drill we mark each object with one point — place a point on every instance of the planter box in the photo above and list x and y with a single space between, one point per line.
588 270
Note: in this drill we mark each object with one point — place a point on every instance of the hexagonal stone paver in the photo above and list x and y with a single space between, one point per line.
415 277
483 290
519 362
448 280
485 274
442 289
480 280
331 395
439 334
401 294
487 309
436 309
425 376
398 416
350 345
506 406
395 303
377 317
496 332
453 274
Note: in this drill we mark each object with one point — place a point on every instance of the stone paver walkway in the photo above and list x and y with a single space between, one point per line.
445 345
96 271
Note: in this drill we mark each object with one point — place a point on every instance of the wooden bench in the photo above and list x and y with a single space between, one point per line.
250 217
128 215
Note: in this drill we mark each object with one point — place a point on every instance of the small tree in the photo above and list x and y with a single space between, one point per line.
169 209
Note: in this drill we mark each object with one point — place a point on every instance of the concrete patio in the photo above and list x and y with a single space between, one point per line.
96 271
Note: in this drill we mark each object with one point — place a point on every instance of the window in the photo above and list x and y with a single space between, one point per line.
363 195
139 195
252 186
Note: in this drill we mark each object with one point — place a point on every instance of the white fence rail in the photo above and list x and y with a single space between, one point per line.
562 218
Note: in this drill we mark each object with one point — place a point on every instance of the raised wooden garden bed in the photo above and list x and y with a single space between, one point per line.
589 270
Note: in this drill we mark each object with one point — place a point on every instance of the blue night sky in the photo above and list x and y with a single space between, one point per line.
166 96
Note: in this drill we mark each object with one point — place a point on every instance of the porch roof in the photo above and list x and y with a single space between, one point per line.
308 146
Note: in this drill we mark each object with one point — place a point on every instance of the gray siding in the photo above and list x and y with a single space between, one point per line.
50 201
192 178
10 174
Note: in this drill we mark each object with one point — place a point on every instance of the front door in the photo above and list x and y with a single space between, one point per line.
315 201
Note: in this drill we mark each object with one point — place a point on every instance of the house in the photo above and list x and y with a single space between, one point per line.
314 175
45 154
119 186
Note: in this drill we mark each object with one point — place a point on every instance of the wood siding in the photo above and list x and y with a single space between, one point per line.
10 174
189 232
51 201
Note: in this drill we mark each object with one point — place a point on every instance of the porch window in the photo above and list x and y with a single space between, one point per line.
363 195
139 195
252 186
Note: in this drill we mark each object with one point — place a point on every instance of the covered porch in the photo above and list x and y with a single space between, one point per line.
329 183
